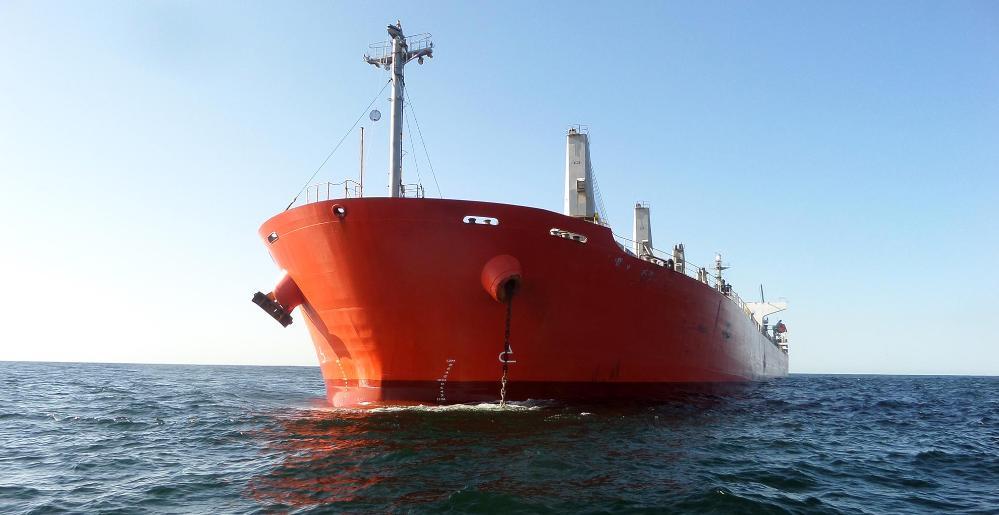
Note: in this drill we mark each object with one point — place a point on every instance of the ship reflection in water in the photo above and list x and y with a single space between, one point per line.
471 457
194 439
326 456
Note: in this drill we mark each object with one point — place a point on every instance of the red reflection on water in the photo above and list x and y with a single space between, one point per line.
322 456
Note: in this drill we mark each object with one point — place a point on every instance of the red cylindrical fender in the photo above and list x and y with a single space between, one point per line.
287 294
501 275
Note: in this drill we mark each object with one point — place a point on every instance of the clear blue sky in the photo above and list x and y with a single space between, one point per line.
844 154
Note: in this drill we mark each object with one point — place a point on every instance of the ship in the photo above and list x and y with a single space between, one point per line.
417 300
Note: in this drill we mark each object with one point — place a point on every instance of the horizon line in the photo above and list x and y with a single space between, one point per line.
910 374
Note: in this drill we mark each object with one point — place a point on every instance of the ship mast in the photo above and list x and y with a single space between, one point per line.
393 55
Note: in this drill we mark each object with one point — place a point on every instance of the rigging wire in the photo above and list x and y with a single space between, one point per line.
601 210
659 253
690 268
328 156
423 141
416 161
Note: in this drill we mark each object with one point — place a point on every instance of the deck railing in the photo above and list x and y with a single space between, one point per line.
661 258
412 191
382 50
331 190
350 189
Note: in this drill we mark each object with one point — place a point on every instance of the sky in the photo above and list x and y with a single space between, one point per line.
843 154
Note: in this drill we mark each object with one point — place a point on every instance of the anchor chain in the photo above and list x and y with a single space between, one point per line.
506 347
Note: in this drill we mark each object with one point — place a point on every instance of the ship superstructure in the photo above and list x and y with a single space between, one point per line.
424 300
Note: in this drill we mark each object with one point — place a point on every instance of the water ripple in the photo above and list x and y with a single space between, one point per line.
126 438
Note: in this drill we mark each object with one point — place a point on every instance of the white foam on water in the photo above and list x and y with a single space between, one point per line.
484 406
370 407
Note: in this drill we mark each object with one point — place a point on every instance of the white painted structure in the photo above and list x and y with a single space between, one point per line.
579 199
761 310
719 280
642 231
679 260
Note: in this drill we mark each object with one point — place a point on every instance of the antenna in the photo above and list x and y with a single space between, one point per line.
393 55
374 116
361 183
719 281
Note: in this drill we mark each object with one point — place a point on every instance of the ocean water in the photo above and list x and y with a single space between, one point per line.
98 438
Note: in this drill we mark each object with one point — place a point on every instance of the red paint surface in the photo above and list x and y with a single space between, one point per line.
395 303
499 274
288 294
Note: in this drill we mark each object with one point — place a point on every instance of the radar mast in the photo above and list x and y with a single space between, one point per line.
393 55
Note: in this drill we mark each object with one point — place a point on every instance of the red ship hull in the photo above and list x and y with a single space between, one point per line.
394 300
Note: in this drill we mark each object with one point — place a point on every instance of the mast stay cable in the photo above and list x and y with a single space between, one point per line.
409 102
328 156
412 147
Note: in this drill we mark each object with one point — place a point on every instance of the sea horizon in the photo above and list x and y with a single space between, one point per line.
118 437
886 374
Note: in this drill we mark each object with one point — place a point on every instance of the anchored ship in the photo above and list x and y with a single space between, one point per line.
420 300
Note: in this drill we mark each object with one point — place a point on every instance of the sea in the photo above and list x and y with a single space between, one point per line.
112 438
